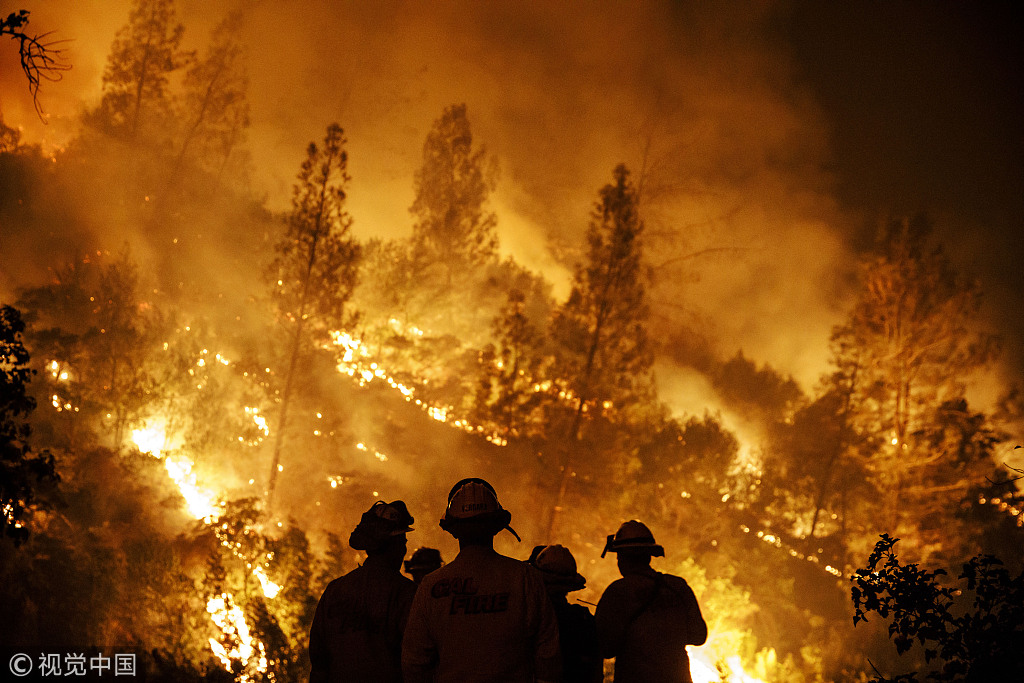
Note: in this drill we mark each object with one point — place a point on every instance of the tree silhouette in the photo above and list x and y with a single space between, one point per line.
968 640
914 338
453 229
510 370
316 267
136 80
604 361
23 476
216 108
42 58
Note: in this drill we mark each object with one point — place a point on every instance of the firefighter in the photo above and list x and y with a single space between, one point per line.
357 629
581 660
646 619
483 616
422 562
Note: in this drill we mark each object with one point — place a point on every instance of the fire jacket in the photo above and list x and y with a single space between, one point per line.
357 629
645 621
481 617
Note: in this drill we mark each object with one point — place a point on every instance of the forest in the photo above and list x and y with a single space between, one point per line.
197 406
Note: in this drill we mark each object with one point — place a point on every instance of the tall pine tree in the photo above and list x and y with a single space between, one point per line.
453 230
146 51
315 269
604 362
216 109
916 338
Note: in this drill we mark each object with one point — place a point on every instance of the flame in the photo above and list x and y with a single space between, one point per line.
152 440
731 670
231 621
270 589
356 362
202 504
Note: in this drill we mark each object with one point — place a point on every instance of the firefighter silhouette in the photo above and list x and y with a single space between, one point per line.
577 632
357 629
422 562
646 619
483 616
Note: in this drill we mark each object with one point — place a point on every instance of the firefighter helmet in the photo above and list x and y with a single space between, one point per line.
379 524
473 505
633 537
557 567
424 559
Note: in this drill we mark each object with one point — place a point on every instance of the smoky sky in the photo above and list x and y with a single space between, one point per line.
768 139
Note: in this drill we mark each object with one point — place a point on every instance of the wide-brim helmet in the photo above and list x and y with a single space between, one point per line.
557 567
633 537
378 525
427 559
473 507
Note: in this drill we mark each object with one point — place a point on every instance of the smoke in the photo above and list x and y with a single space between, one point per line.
707 104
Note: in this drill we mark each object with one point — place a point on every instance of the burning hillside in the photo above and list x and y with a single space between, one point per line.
210 371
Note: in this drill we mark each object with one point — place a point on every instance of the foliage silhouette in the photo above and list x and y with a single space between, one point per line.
969 640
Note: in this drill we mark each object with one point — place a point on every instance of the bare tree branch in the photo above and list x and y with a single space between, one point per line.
42 59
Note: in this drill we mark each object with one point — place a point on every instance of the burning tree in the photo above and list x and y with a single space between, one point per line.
908 347
604 360
216 106
315 269
453 229
146 51
98 336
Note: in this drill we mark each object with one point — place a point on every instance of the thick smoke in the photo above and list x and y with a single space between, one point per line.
707 104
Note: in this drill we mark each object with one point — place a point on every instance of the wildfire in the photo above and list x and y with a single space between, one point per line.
729 670
244 648
270 589
202 504
356 362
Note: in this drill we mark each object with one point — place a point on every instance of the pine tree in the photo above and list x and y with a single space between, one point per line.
507 395
316 267
146 51
916 335
92 322
604 365
216 108
454 231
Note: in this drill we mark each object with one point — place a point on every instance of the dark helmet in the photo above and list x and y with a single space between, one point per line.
557 567
380 524
633 537
424 559
473 505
